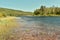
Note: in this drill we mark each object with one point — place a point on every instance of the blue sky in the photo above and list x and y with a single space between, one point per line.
27 5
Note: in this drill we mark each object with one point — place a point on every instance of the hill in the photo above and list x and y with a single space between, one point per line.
11 12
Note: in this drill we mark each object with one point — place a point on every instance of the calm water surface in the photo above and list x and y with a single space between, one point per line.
37 22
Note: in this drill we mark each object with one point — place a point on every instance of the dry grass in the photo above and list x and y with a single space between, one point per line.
6 25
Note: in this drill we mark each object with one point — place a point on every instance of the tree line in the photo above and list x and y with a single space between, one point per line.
47 11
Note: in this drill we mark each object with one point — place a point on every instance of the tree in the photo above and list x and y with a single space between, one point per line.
42 10
36 12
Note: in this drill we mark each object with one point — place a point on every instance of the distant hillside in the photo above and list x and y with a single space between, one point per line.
11 12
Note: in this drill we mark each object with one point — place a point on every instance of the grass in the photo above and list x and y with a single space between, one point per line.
6 25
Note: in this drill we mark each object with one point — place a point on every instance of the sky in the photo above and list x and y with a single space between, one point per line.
27 5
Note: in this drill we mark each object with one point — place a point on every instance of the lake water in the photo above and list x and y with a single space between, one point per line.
47 22
38 28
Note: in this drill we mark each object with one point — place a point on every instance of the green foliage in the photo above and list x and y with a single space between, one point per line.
10 12
36 12
47 11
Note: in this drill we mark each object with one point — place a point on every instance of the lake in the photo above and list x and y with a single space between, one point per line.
50 22
36 28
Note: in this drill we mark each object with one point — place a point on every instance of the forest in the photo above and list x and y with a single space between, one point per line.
47 11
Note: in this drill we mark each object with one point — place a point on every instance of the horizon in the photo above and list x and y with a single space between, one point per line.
30 5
